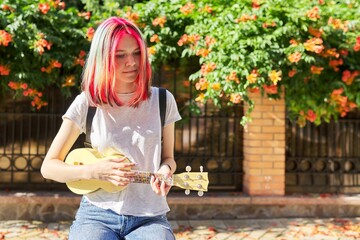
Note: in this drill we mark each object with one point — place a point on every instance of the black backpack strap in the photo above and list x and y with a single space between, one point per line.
89 119
162 105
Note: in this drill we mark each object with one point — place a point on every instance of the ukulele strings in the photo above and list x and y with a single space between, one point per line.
145 177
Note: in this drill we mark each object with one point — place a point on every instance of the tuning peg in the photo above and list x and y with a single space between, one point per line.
188 168
200 193
187 191
201 168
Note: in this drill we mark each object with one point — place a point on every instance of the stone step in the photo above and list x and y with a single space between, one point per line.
62 206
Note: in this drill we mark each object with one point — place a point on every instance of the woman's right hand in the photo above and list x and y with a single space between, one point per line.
116 171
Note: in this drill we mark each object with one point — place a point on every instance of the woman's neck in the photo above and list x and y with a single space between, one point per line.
126 89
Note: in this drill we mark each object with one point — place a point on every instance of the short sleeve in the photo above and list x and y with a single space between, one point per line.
77 111
172 112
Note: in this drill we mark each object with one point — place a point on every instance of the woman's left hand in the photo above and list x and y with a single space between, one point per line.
158 186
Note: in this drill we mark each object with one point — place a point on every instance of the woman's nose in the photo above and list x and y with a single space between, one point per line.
130 60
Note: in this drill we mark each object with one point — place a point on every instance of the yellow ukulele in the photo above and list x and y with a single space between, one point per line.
189 180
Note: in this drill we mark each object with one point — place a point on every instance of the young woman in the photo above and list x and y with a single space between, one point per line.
117 80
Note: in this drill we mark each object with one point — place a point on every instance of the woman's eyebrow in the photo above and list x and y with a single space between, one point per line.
121 50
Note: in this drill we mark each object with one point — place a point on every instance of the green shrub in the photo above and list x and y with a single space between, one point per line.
41 44
309 49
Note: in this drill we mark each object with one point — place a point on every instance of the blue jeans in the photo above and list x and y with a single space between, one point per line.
94 223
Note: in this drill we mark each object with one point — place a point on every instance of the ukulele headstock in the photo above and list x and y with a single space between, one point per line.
197 181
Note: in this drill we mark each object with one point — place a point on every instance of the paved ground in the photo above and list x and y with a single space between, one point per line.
249 229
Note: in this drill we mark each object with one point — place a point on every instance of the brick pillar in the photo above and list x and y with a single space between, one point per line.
264 148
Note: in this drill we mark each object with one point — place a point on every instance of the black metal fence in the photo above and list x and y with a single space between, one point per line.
325 158
212 139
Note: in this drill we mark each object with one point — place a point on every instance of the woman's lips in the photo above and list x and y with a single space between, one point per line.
130 72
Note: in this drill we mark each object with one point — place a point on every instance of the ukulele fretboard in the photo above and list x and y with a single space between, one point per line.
145 177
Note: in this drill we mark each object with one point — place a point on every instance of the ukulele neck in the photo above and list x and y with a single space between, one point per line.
145 177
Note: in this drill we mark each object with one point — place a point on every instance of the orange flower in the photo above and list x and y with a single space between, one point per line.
314 45
315 32
275 76
17 85
316 70
62 5
252 78
202 84
255 4
203 52
254 90
133 17
292 73
13 85
155 38
53 64
216 86
343 105
30 92
4 70
44 8
208 9
209 41
293 42
82 54
335 63
187 8
245 18
357 44
69 81
159 21
330 53
344 52
38 103
233 77
90 33
85 15
266 25
338 24
313 14
7 8
207 68
80 59
295 57
235 98
200 98
36 96
5 38
311 116
41 44
183 40
348 77
151 50
189 39
270 89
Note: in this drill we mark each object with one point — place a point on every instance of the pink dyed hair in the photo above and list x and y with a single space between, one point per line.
98 78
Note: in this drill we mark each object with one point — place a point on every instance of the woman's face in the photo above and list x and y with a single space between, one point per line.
127 60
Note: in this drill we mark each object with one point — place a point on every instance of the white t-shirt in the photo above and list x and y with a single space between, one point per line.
135 132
